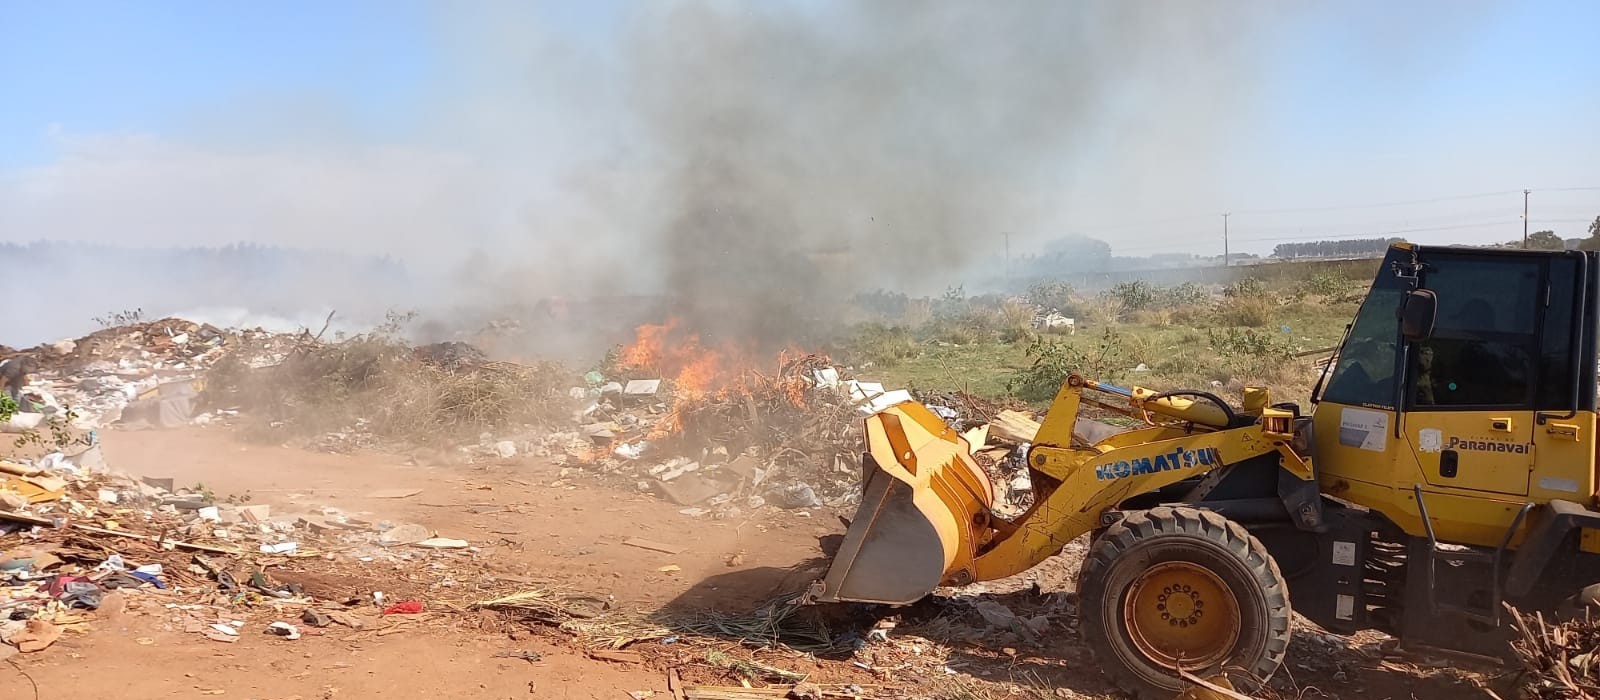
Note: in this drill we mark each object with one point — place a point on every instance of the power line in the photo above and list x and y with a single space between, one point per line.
1381 205
1089 230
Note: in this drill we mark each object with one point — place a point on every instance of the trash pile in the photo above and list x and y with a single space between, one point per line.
76 538
792 439
152 366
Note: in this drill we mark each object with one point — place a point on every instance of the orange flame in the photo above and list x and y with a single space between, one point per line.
646 350
666 351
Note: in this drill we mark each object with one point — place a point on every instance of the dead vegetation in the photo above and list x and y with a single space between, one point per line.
1560 660
376 385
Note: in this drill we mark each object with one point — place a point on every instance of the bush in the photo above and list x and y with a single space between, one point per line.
1245 288
1015 313
1103 358
918 312
966 330
1186 294
953 304
1057 296
1321 284
1134 295
1245 311
1248 342
883 345
1151 317
881 304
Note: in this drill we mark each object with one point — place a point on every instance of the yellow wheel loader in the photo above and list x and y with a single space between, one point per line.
1445 469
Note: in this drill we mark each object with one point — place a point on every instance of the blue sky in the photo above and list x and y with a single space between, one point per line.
1349 104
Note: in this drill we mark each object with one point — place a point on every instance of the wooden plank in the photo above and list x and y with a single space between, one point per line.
623 657
29 519
1013 427
675 685
653 545
176 543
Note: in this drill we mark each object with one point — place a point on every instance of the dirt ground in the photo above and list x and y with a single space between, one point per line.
537 527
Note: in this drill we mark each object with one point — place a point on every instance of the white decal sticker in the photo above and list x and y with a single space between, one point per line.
1344 606
1550 483
1344 553
1430 440
1368 430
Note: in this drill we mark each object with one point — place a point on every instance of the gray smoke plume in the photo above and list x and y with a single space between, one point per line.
754 162
812 152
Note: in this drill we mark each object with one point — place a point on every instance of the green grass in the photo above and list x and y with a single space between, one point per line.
1179 355
980 368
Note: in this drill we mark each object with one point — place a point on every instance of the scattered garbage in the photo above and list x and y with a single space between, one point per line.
283 629
409 607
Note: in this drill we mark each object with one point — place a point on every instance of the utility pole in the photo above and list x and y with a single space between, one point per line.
1225 239
1525 219
1008 262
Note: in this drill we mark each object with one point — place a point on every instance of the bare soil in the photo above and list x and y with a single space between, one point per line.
537 527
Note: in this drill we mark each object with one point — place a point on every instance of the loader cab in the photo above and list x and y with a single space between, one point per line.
1470 373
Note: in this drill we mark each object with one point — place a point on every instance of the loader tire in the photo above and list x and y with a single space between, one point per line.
1173 587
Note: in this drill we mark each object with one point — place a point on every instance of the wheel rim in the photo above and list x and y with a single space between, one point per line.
1180 613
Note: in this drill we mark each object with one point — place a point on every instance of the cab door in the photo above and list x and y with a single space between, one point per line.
1564 427
1472 385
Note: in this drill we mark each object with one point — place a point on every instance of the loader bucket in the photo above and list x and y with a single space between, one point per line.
923 514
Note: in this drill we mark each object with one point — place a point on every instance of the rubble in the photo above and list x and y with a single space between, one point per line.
102 542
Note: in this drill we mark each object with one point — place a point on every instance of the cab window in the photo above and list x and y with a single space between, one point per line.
1364 370
1485 344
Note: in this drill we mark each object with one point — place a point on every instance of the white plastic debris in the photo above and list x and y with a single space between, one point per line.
210 514
885 400
506 449
283 629
108 496
280 548
826 378
642 387
631 450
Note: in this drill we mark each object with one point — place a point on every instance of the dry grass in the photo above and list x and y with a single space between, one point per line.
380 387
1247 311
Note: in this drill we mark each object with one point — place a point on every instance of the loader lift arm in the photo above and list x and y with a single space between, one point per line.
926 517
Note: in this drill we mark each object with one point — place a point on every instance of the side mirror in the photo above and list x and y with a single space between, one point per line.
1418 313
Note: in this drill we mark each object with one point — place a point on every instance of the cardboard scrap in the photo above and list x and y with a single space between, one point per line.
18 469
37 489
37 636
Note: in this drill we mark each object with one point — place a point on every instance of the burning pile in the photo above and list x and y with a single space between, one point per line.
723 429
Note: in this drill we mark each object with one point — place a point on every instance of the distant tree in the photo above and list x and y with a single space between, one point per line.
1347 248
1546 240
1064 255
1593 241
